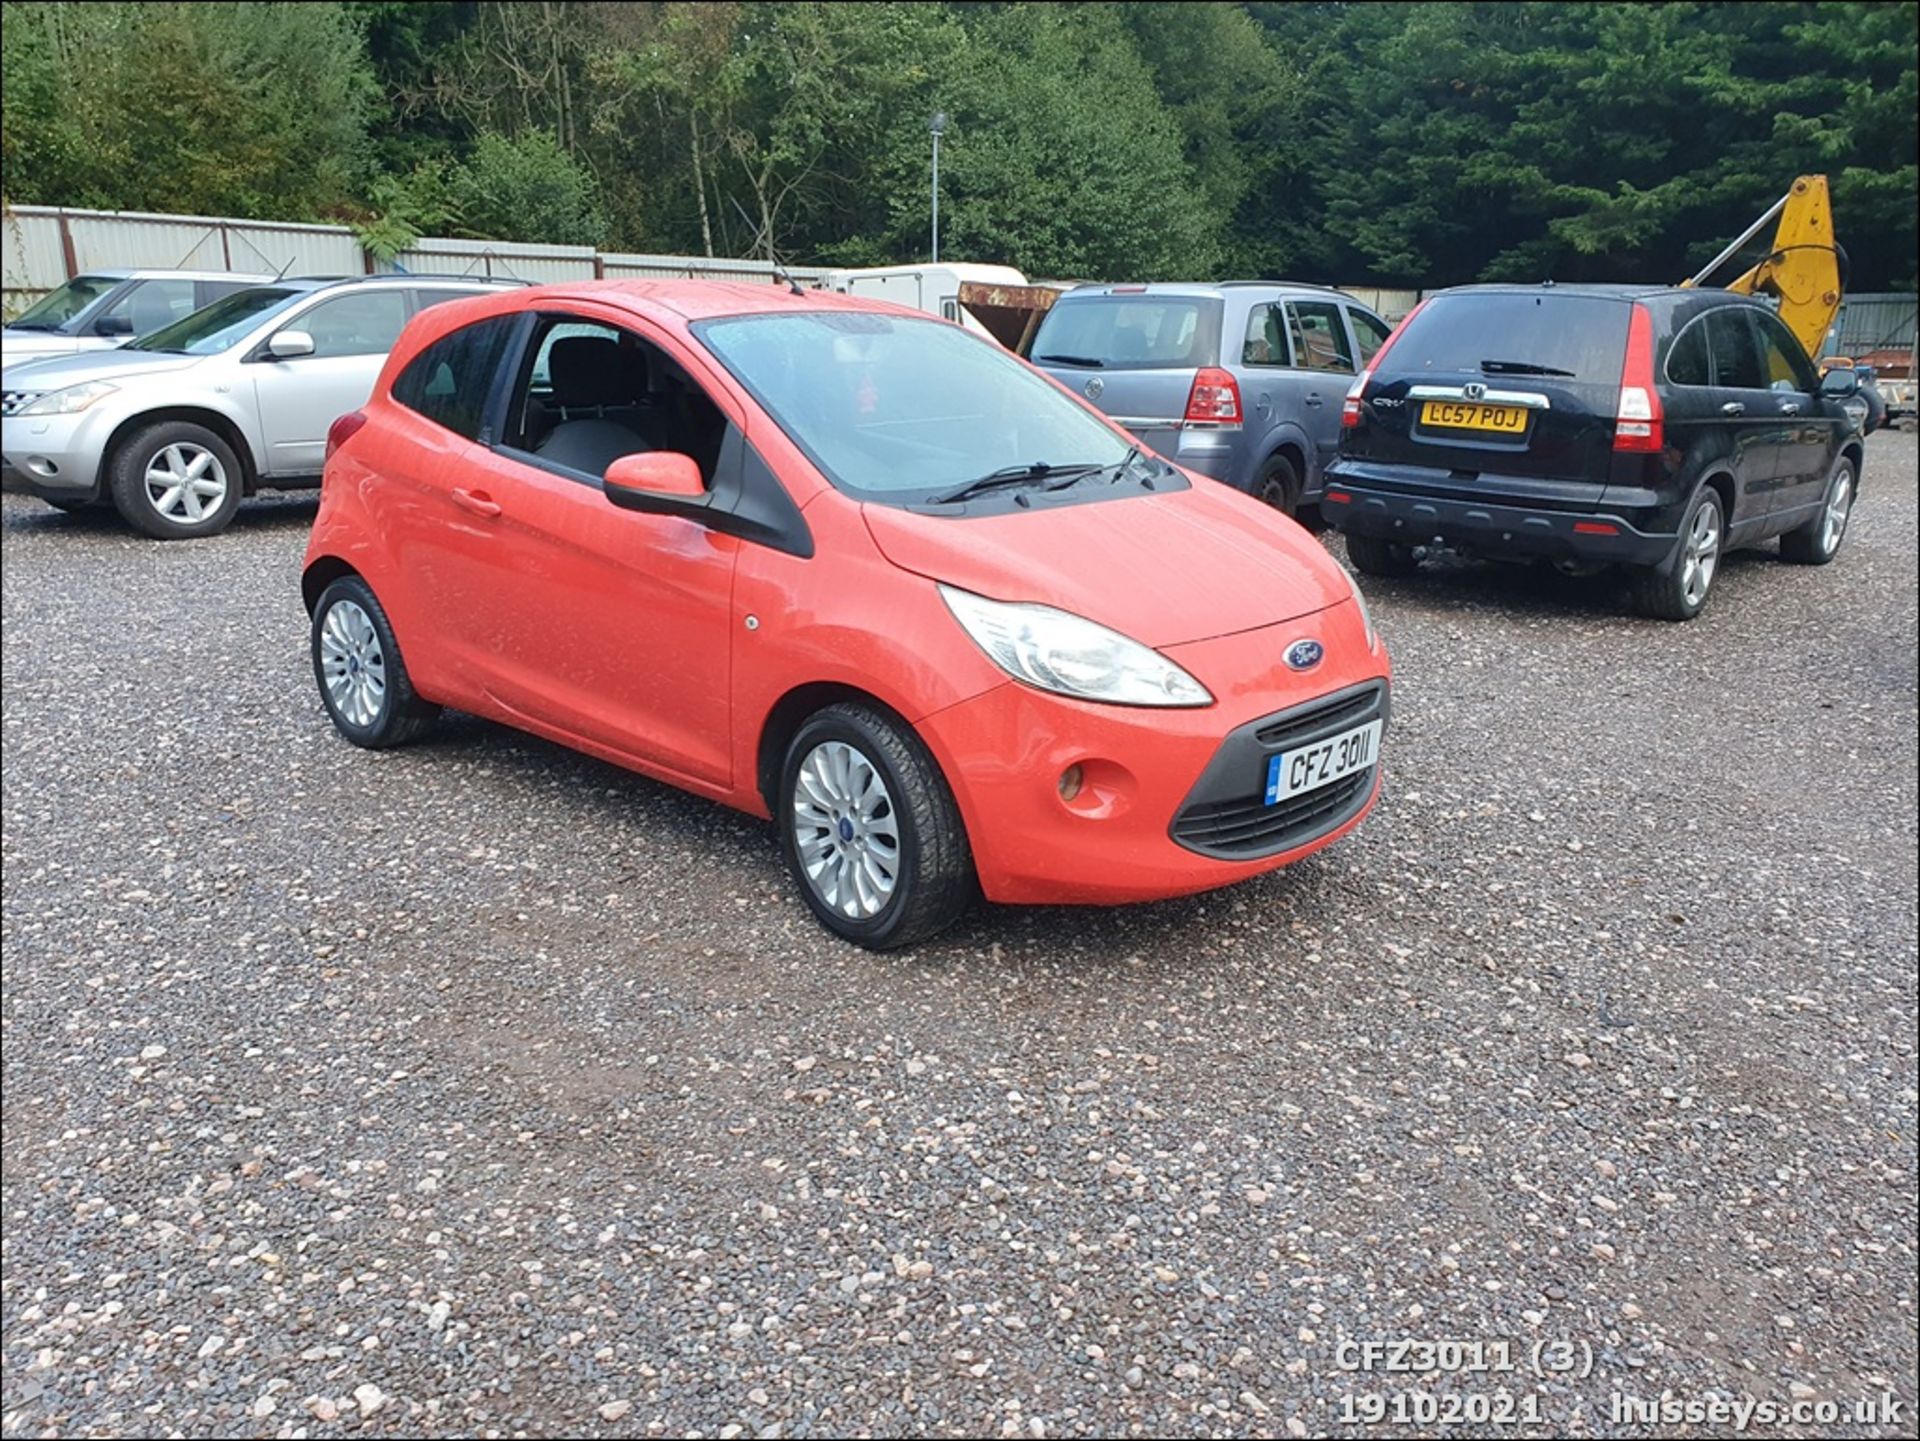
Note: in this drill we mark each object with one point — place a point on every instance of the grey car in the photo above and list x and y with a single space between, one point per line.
176 427
1241 380
105 308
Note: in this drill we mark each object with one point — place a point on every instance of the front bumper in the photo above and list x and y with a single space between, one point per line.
1354 507
1147 772
56 456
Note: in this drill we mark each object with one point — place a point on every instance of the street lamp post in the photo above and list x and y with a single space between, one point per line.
938 126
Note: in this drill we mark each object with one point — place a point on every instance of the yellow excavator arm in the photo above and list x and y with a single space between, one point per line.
1804 269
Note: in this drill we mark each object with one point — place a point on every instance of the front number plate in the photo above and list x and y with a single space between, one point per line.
1468 415
1308 767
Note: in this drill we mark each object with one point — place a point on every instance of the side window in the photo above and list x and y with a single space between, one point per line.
1265 345
364 324
1368 333
1736 351
590 393
449 380
949 310
150 304
1687 362
427 299
1319 339
1786 364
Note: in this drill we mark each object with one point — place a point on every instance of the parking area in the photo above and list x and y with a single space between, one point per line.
481 1087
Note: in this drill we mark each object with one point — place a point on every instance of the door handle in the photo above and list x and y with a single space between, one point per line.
1313 397
477 501
1789 407
1734 407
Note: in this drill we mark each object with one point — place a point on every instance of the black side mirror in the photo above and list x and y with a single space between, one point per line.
113 325
1839 384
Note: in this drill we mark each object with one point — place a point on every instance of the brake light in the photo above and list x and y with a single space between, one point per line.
1640 422
1350 407
1214 399
344 429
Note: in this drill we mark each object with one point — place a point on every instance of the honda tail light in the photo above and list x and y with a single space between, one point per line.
344 429
1214 399
1357 392
1639 422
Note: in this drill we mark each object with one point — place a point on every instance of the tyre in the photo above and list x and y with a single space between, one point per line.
870 829
1679 588
357 664
175 480
1383 558
1278 484
1818 541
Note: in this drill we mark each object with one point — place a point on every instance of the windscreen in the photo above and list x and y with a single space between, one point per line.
52 311
221 326
1578 336
891 407
1130 332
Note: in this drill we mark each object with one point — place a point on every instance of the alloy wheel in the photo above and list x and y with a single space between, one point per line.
352 664
186 483
1833 524
1702 555
846 830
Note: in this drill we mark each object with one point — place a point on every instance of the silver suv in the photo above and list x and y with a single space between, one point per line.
1240 380
105 308
175 427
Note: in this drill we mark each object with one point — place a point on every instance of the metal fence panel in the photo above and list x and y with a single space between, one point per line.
31 246
703 267
539 263
295 249
1876 321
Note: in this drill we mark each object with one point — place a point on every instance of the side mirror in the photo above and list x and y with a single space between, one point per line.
660 482
1839 384
290 343
113 325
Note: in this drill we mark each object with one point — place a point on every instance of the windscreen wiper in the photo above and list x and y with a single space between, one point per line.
1089 361
1521 367
1009 477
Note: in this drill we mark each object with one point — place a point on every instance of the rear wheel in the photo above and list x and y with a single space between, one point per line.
363 680
175 480
1818 541
1384 558
1278 484
870 829
1678 590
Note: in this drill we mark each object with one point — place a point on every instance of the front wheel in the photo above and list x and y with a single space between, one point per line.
1818 541
870 830
175 480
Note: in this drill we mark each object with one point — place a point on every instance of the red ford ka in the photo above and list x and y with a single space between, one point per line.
848 566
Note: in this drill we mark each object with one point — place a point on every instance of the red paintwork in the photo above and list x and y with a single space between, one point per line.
520 596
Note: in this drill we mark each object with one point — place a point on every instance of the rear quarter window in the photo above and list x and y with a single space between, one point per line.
1581 336
450 380
1131 332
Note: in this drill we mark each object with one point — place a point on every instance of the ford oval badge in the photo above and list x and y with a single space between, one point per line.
1305 654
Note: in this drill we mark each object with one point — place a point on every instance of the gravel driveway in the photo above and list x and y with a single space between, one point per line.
481 1087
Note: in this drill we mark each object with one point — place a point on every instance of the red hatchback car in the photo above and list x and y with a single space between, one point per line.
845 565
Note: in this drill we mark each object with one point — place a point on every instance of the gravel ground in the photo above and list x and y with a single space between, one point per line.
481 1087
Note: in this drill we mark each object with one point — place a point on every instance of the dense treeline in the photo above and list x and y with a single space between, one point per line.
1390 144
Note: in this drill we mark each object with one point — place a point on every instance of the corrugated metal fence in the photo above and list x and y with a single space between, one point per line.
45 246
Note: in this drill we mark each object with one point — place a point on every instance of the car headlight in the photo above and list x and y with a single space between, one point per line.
1366 614
69 401
1070 655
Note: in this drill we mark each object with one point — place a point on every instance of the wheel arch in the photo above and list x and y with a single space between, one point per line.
218 421
322 572
787 714
1854 451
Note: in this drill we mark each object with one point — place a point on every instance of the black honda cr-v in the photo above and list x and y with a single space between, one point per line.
1591 425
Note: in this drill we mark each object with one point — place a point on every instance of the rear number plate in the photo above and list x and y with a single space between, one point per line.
1470 415
1308 767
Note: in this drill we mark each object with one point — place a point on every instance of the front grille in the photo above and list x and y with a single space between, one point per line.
1226 814
12 402
1251 827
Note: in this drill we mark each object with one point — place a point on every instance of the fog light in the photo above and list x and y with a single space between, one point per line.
1070 779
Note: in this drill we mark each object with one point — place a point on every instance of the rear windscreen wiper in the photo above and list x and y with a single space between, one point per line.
1091 362
1521 367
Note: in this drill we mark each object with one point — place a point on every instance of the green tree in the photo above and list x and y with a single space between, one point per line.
524 187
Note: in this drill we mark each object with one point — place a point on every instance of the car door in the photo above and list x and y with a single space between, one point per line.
604 624
1809 437
1748 413
299 397
1322 370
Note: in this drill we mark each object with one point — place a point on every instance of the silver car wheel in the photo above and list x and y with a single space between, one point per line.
1833 525
1702 555
845 830
352 663
186 483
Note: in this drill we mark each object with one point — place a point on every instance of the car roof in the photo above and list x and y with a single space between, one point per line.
1202 289
705 299
1598 290
169 272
